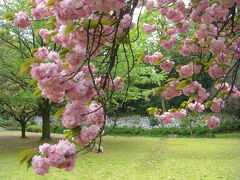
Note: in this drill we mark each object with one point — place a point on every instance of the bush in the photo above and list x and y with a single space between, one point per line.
57 127
199 130
6 123
154 121
34 128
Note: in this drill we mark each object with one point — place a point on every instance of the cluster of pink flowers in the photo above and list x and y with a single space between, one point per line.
169 117
217 105
171 91
22 20
196 88
196 107
167 65
153 58
41 11
66 11
216 71
168 44
149 28
61 155
84 27
111 84
49 80
188 70
212 122
233 91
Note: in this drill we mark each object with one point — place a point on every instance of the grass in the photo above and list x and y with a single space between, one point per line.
134 158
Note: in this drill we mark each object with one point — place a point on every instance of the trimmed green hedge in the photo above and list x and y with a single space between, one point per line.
6 123
34 128
57 127
224 127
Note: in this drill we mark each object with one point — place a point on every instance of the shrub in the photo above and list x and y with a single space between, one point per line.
153 121
57 127
34 128
6 123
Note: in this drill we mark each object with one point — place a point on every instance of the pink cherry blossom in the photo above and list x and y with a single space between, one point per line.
166 117
185 71
215 71
171 92
196 107
149 28
178 115
213 122
149 4
74 114
42 53
40 165
22 20
126 21
96 114
163 11
44 33
41 11
167 65
88 134
217 105
217 46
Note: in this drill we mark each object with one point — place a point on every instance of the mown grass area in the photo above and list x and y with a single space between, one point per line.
131 158
222 135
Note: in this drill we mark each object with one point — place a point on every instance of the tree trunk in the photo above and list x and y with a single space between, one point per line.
23 129
46 120
163 102
190 126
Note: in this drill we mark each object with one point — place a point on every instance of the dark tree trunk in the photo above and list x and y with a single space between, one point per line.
23 129
163 102
190 126
46 108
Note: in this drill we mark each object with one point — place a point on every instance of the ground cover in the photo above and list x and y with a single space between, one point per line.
133 158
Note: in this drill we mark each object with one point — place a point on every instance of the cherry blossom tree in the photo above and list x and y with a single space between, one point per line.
88 35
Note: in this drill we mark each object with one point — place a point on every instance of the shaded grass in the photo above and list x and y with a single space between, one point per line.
139 158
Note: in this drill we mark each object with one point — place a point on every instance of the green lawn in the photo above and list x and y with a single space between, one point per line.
131 158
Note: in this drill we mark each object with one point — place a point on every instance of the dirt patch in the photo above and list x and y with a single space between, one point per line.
11 140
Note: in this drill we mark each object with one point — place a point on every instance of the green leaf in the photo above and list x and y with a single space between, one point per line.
37 92
22 161
70 28
51 24
173 110
26 155
8 16
31 4
76 131
49 38
159 90
59 112
171 79
92 23
153 111
29 163
63 52
184 104
208 103
33 81
181 85
194 95
50 3
141 57
25 67
222 94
